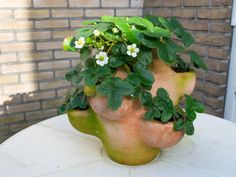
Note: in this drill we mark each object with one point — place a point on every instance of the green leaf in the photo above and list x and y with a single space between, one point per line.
108 18
145 75
90 22
102 27
146 98
90 77
196 60
115 61
74 77
84 32
189 128
115 88
134 36
79 67
165 23
145 57
187 38
114 101
133 79
166 116
85 53
175 24
193 104
154 19
152 114
122 25
62 109
179 125
191 115
103 72
141 22
79 101
158 32
116 49
163 101
151 42
167 51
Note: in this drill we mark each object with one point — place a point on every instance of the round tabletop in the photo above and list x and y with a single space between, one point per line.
52 148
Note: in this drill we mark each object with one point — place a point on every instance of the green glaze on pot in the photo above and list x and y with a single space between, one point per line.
88 122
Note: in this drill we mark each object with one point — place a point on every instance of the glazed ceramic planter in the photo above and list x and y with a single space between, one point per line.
128 138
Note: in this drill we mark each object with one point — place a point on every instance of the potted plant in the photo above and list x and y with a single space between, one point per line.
132 87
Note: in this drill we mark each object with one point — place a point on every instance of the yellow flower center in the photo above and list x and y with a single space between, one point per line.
132 50
101 58
80 42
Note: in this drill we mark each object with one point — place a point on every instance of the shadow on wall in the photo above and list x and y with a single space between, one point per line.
32 68
16 115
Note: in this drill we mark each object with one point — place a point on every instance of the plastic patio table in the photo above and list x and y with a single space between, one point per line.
52 148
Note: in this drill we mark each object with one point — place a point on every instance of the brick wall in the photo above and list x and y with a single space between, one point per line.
209 21
32 64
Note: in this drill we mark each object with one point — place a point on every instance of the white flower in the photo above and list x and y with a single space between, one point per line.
115 30
102 58
132 50
101 48
96 32
80 43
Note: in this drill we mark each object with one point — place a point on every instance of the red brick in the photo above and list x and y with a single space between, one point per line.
20 88
54 65
98 12
17 47
162 12
219 53
18 25
195 25
34 56
39 95
216 13
28 36
211 89
16 3
16 68
67 13
183 13
212 39
221 27
31 14
129 12
6 37
222 2
50 3
171 3
216 65
84 3
215 77
138 3
6 58
52 24
115 3
6 14
49 45
196 2
41 114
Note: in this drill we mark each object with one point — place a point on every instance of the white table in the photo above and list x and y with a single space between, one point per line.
53 148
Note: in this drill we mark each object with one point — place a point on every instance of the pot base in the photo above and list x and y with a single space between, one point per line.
128 153
108 159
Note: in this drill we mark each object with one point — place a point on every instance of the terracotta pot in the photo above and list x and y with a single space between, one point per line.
127 137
